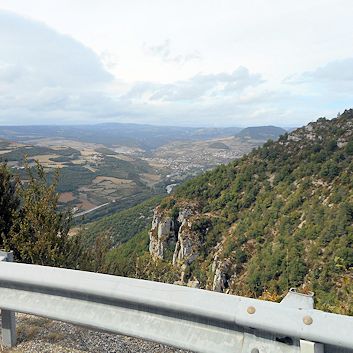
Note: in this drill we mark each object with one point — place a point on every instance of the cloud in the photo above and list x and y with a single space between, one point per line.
328 88
47 77
33 49
222 99
42 70
341 70
164 52
334 71
200 86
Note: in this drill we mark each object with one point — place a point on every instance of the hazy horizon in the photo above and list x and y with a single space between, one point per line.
151 124
212 64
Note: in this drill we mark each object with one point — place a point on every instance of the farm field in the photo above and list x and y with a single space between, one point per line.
89 174
98 177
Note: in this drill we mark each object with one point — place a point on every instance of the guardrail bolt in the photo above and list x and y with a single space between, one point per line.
255 350
251 310
308 320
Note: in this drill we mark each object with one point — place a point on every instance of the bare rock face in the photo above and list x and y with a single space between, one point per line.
219 281
186 247
224 272
166 231
193 283
219 278
161 233
176 234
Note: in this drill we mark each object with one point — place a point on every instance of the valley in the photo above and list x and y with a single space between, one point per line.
176 176
100 177
90 175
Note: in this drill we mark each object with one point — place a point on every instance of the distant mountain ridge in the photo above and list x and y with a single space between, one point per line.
262 132
136 135
147 137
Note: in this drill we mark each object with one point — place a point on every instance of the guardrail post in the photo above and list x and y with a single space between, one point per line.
8 318
303 301
311 347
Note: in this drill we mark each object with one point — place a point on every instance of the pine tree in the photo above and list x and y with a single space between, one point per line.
39 233
9 202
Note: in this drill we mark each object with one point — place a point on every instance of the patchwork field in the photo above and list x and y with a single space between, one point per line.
91 174
66 197
99 175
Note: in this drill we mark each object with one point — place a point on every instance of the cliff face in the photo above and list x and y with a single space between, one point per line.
174 235
280 217
177 239
162 235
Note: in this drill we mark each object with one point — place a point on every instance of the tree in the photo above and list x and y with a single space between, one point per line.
39 233
9 202
93 258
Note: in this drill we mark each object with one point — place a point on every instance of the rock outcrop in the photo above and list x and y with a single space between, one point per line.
177 236
174 234
161 235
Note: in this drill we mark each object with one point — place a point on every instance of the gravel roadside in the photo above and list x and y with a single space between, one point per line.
38 335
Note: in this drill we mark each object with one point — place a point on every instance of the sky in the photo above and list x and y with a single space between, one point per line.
175 62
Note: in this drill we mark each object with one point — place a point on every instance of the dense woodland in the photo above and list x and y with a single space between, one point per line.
282 216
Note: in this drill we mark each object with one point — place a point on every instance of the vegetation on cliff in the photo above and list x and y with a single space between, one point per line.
280 217
122 225
277 218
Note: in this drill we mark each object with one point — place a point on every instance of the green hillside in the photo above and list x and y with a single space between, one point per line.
262 132
123 225
219 146
277 218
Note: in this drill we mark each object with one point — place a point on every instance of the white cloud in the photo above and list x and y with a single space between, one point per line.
33 52
340 70
164 52
200 86
194 78
44 72
334 79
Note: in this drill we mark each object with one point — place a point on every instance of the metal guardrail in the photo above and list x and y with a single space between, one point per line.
187 318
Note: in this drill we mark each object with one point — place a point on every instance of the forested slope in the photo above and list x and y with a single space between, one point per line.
280 217
122 225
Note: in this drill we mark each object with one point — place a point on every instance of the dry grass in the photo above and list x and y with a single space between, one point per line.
27 332
54 337
78 162
44 159
74 231
151 177
123 157
115 181
66 197
88 152
85 204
